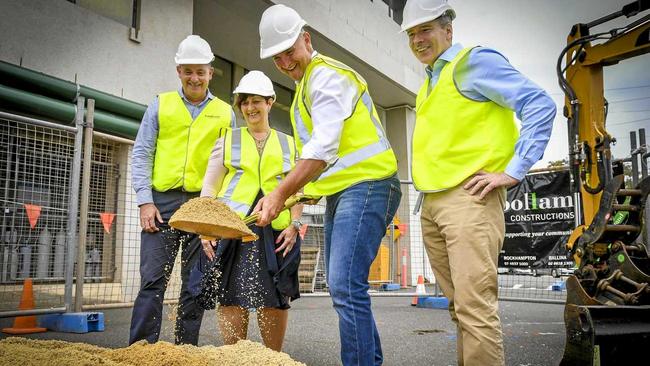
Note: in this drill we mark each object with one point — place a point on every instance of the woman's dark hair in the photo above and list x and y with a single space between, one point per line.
239 98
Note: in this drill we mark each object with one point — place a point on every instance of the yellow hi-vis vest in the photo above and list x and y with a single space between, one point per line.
454 137
184 145
248 172
364 151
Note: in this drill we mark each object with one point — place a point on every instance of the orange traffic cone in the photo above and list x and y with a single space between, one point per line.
25 324
419 290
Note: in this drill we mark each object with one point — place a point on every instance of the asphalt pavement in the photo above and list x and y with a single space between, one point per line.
533 332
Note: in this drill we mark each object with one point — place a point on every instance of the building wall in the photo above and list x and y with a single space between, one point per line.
364 28
401 121
68 41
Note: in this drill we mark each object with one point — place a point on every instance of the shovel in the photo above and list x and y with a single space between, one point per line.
290 202
213 230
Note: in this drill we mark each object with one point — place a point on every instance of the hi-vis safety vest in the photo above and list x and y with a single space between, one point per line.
184 145
248 172
364 151
455 137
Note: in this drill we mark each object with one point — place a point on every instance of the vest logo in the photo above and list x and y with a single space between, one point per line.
212 116
531 202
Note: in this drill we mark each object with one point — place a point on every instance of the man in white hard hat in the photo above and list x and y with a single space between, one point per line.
344 156
169 162
466 151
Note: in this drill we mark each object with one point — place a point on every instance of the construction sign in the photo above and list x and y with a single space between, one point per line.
540 216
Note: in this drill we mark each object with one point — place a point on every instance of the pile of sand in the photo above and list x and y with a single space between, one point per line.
28 352
211 219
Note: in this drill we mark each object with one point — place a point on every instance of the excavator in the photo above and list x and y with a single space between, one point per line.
607 311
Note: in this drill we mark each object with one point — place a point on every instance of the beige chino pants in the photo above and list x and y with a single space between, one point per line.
463 236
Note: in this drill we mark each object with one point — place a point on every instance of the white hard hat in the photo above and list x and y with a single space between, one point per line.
280 27
417 12
255 82
194 50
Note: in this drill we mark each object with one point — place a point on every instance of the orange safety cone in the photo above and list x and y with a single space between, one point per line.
25 324
420 290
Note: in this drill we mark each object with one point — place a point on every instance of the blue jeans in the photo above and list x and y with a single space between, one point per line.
157 254
355 222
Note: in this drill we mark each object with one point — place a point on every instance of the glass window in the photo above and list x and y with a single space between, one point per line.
221 84
122 11
395 9
280 118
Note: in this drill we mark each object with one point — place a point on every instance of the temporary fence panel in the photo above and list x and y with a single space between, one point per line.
35 170
540 214
416 257
311 274
35 166
112 272
106 223
386 268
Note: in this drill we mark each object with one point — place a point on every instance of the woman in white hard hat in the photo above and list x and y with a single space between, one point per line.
245 164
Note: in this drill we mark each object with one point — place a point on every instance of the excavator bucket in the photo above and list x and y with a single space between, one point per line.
605 335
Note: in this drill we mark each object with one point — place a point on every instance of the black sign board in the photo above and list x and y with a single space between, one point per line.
539 217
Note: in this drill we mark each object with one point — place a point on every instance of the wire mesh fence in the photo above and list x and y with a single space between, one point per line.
36 164
112 252
402 258
311 274
35 179
34 170
544 284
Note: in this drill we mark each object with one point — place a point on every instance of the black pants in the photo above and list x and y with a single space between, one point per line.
157 253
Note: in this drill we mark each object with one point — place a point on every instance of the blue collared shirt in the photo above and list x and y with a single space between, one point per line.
487 75
144 148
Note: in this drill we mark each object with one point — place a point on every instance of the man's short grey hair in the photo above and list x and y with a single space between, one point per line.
444 19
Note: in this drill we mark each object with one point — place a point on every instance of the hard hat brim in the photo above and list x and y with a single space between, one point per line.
193 61
253 92
282 46
445 9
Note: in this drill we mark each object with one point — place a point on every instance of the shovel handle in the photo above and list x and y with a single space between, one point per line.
290 202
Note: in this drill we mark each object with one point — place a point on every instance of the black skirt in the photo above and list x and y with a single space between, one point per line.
253 276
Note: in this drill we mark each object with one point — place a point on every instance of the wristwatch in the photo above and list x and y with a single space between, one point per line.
297 224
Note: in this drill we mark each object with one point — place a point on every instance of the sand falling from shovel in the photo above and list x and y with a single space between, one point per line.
211 219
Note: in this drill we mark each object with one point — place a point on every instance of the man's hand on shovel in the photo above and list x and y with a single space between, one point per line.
268 208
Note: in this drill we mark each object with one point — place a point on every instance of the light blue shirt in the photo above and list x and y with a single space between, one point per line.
487 75
144 148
